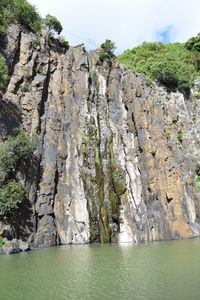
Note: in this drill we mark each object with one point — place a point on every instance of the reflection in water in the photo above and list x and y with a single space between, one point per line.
163 270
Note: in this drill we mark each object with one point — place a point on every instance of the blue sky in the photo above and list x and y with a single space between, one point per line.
164 35
126 22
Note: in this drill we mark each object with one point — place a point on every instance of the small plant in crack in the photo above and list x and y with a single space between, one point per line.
180 136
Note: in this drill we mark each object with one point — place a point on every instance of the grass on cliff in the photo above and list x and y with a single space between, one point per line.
172 65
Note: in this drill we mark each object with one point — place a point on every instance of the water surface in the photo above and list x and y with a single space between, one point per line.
163 270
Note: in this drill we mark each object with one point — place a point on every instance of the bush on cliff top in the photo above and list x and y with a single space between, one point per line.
20 11
14 153
53 24
171 65
107 51
27 15
193 44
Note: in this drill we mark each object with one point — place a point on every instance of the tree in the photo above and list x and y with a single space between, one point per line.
107 51
53 24
19 11
12 194
27 15
16 151
21 146
3 22
193 44
171 65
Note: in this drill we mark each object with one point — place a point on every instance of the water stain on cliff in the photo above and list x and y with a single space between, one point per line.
106 171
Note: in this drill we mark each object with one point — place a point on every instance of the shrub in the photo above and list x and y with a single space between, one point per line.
3 73
1 241
53 24
3 21
168 136
193 44
12 195
27 15
16 150
107 51
7 163
20 11
21 146
171 65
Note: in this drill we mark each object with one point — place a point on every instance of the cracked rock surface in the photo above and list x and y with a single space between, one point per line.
109 166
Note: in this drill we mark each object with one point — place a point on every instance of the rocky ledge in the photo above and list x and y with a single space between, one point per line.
14 246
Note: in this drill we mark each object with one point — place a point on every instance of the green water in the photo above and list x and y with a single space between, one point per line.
164 270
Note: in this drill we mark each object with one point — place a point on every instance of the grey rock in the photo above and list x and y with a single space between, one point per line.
104 169
23 246
11 247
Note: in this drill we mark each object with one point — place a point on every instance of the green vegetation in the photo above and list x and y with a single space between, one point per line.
27 15
180 136
3 19
107 51
21 147
197 182
172 65
197 170
3 73
1 241
168 136
12 194
19 11
52 24
197 173
196 94
193 44
14 153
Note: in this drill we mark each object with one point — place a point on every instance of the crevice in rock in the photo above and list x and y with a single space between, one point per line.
18 84
130 189
56 181
34 70
169 199
44 96
135 128
17 55
42 135
126 107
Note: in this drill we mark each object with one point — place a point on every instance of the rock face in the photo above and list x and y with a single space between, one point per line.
109 163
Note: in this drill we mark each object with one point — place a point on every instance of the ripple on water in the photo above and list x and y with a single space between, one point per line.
165 270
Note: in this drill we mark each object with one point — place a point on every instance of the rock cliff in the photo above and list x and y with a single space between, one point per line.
109 165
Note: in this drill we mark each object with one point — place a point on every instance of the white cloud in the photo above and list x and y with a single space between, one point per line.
126 22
